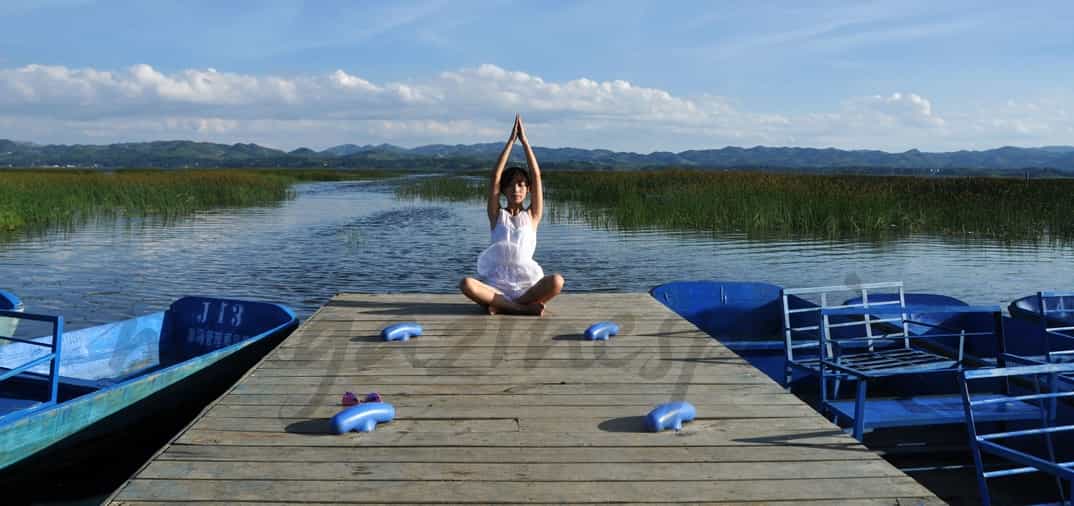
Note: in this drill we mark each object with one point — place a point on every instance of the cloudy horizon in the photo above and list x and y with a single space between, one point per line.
848 76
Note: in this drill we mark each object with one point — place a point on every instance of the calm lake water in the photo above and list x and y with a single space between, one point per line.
358 237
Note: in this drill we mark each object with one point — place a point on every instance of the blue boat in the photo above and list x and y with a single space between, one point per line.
1060 310
71 392
748 317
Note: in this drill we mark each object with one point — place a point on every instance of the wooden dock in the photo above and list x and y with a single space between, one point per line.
509 409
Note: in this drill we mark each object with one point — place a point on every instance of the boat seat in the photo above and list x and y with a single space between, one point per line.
802 322
878 361
10 405
864 366
891 360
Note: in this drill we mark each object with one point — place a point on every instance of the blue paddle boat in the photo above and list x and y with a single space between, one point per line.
747 317
753 319
909 354
1049 318
1060 308
63 393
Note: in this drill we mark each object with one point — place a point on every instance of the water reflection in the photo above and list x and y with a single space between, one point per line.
357 237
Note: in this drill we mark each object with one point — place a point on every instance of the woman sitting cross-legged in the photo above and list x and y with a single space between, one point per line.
510 281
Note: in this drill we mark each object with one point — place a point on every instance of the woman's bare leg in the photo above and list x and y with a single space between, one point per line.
494 301
542 291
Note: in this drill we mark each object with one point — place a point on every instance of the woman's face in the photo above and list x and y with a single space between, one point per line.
516 190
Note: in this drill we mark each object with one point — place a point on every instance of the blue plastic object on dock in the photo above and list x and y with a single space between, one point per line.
401 331
363 417
670 415
600 331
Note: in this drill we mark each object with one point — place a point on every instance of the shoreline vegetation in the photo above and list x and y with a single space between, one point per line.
757 204
764 204
34 199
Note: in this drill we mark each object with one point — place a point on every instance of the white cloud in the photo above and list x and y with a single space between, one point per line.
58 104
906 108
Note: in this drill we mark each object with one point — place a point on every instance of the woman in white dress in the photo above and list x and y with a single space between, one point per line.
510 281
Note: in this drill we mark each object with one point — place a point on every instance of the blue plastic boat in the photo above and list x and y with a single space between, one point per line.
1027 308
747 317
67 390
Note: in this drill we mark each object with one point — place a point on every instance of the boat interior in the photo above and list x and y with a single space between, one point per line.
97 357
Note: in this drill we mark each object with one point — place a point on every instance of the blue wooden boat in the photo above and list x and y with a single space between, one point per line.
1061 309
63 392
747 317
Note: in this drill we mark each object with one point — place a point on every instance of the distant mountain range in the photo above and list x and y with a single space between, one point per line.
175 154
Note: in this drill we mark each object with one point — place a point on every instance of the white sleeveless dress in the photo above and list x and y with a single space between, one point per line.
507 264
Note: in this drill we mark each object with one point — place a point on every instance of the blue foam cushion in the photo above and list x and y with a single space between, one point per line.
401 331
670 415
600 331
363 417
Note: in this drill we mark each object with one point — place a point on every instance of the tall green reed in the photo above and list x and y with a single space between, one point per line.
841 206
41 199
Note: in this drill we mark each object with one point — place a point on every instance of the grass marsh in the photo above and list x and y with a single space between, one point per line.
41 199
816 205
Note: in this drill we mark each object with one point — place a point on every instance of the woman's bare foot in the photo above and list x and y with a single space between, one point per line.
535 309
491 309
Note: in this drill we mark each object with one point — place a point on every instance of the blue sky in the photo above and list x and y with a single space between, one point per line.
625 75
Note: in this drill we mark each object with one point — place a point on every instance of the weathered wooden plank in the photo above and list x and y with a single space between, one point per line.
553 315
580 372
589 298
672 390
472 312
753 435
457 492
350 319
471 336
626 424
491 343
588 352
523 327
566 472
568 305
780 429
473 332
482 366
372 343
908 501
467 337
322 425
505 400
348 380
568 412
701 361
537 454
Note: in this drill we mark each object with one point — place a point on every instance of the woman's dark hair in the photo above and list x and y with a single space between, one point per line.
509 174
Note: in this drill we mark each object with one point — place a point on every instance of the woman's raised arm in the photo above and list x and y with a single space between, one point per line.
536 191
494 183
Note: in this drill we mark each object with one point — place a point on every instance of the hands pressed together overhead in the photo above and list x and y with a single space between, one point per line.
518 131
